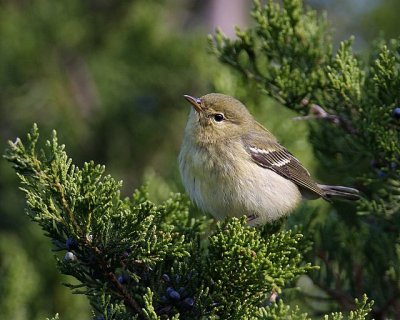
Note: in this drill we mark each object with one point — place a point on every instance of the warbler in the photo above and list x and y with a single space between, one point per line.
232 166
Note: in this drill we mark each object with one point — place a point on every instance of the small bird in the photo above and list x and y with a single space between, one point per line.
232 166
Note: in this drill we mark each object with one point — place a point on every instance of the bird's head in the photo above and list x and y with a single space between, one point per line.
216 116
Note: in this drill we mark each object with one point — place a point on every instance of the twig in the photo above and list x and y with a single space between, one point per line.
318 113
129 301
344 300
67 208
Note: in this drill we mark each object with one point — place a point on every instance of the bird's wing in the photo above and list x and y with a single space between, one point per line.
273 156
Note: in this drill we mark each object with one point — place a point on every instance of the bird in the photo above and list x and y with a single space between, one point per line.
232 166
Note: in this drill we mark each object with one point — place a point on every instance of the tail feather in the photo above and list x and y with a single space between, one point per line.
340 192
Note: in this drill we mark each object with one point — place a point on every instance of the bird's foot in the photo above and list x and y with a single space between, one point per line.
252 220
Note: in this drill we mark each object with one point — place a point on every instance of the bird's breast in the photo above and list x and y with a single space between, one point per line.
226 182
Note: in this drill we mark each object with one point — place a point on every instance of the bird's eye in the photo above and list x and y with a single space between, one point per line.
218 117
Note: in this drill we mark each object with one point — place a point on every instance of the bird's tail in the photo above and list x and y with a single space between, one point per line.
340 192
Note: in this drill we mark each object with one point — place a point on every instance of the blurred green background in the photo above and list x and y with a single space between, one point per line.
109 76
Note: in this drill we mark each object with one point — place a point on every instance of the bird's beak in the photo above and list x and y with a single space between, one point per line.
195 102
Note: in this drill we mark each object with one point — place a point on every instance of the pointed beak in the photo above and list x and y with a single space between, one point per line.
195 102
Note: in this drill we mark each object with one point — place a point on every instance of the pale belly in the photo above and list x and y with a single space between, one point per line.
237 189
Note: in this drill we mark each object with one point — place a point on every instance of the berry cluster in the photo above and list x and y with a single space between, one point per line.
70 245
384 168
396 113
175 296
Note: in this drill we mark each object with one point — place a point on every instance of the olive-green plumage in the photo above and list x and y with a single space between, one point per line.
232 166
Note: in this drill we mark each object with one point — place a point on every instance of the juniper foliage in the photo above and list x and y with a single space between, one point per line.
137 260
351 104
